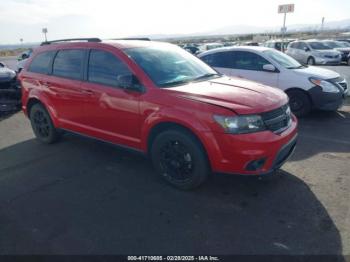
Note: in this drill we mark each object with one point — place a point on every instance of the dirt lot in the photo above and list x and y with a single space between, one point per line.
81 196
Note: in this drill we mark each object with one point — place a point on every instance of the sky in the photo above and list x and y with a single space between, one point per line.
120 18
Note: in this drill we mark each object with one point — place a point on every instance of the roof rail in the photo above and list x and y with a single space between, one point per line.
133 38
71 39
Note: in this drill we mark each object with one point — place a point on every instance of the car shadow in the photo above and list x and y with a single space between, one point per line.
82 196
322 132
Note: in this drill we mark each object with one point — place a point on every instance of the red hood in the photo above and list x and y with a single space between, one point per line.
239 95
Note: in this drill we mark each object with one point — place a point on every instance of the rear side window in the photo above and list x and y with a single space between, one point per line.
41 63
69 64
105 68
249 61
220 59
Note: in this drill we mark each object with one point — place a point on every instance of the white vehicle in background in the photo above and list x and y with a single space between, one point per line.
308 87
22 59
313 52
210 46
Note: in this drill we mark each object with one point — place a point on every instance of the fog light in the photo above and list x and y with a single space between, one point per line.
256 164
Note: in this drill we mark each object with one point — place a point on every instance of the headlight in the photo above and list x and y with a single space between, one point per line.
240 124
326 86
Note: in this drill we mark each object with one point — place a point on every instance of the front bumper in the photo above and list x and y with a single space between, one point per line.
234 154
327 61
326 101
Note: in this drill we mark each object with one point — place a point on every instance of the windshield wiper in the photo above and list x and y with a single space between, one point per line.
185 81
206 76
174 83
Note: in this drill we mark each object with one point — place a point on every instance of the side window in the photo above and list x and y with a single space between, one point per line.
220 59
69 64
41 63
105 68
302 46
278 46
249 61
293 45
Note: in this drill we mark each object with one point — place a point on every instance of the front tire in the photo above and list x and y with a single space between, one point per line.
42 125
180 159
299 103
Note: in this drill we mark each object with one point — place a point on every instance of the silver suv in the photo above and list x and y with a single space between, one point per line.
313 52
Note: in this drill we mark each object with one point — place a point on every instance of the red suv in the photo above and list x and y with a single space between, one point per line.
160 100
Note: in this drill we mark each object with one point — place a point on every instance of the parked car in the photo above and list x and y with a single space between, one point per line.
209 46
192 49
313 52
250 44
229 43
160 100
22 59
308 87
342 47
278 44
7 76
10 93
344 40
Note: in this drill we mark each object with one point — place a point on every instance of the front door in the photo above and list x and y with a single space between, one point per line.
112 111
249 65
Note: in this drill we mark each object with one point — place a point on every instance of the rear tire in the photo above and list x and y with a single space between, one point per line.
311 61
299 103
180 159
42 125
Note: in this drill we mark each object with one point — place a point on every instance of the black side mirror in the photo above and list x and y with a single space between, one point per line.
130 82
306 49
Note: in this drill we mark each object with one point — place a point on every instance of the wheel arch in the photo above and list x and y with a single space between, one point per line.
310 57
35 100
300 90
160 127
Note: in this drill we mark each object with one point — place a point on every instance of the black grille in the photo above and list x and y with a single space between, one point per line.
343 85
331 56
277 120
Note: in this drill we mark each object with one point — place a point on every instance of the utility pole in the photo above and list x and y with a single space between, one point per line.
284 9
322 24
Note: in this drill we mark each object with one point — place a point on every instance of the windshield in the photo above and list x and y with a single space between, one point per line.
343 44
283 59
333 44
319 46
169 65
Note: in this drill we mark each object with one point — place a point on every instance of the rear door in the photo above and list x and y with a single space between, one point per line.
112 110
64 86
249 65
37 75
293 51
